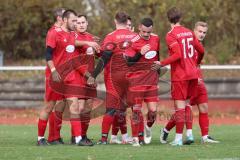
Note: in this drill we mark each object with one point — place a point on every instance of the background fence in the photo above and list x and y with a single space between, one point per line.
223 83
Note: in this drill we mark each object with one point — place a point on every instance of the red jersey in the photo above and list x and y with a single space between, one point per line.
51 34
86 50
144 76
137 43
85 37
63 48
50 38
183 42
115 41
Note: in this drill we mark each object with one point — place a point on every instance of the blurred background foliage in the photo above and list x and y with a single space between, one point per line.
24 23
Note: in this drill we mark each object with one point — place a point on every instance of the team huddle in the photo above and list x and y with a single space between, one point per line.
132 68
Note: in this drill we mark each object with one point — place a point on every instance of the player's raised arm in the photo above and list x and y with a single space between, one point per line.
102 62
175 54
104 59
107 48
131 60
95 45
176 51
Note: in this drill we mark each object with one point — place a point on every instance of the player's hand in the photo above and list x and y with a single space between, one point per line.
95 45
96 39
162 71
156 66
199 81
91 81
87 74
145 49
56 76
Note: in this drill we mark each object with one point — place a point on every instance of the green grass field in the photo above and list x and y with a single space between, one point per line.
19 143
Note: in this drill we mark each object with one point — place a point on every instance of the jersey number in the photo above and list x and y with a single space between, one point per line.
187 47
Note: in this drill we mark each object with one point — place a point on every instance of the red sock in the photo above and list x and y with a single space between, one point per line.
135 123
106 125
122 122
85 120
141 128
180 120
76 126
171 123
151 117
189 117
204 123
115 125
42 124
51 122
58 124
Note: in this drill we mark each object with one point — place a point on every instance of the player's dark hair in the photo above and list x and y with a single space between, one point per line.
129 18
82 15
121 17
67 13
147 22
174 15
58 12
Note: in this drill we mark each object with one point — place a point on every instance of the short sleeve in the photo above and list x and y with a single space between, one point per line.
171 41
108 43
51 38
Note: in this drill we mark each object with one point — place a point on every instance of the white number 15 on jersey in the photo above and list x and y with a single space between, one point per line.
187 47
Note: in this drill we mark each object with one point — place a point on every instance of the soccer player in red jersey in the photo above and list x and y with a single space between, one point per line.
60 50
51 98
55 118
129 24
115 69
181 44
144 50
67 42
200 100
88 53
120 122
63 51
